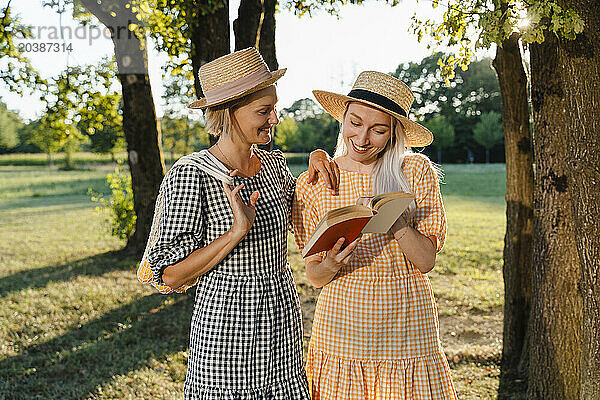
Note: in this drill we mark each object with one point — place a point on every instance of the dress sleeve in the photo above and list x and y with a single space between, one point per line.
429 216
181 226
288 182
304 212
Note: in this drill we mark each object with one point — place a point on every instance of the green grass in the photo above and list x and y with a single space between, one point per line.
76 324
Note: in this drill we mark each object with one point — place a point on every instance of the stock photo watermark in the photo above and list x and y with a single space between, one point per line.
51 38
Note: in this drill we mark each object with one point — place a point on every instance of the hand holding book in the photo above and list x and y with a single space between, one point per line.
350 221
340 254
320 271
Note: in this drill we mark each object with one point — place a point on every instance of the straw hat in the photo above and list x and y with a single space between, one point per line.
233 76
383 92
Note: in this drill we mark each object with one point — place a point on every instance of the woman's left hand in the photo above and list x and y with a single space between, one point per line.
399 227
321 165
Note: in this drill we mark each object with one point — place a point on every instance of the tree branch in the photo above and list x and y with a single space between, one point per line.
93 7
4 19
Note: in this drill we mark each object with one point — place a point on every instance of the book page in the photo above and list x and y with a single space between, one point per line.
381 199
387 213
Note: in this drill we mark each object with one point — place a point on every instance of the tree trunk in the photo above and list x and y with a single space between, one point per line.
255 27
140 125
247 25
556 309
142 133
210 40
487 155
439 151
267 34
519 216
580 59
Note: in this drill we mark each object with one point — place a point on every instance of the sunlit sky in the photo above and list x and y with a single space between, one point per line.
322 52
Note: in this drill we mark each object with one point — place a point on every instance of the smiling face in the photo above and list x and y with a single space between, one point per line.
366 131
253 120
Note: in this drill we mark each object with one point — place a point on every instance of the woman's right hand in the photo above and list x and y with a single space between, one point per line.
322 271
336 257
243 214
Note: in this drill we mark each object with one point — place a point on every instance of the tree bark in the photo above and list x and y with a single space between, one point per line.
140 125
580 59
255 27
512 80
209 39
556 313
267 35
146 162
247 25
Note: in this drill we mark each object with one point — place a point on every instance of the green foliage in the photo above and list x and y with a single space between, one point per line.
71 146
81 102
286 135
471 93
178 93
120 205
15 69
307 7
10 123
181 135
467 25
443 131
302 109
101 119
170 23
40 134
182 131
488 131
314 128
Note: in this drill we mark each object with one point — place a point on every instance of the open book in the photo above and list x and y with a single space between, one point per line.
350 221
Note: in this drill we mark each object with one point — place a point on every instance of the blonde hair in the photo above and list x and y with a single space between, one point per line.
387 172
218 119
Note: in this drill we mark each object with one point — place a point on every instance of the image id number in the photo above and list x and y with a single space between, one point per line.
44 47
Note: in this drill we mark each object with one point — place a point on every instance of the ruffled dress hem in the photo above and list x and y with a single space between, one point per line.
294 388
424 377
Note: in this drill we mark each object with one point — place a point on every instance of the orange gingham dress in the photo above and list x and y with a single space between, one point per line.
375 333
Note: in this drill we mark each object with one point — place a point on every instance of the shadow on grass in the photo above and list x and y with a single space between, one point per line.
126 339
90 266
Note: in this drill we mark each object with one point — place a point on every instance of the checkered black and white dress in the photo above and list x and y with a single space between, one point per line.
246 333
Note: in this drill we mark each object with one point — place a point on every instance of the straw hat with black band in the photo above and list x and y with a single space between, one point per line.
233 76
381 91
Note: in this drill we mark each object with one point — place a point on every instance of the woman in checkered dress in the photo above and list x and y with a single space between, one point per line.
375 332
246 333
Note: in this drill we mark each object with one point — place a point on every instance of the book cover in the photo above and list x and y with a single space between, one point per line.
350 229
350 221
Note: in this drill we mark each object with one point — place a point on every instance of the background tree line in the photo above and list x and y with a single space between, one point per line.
464 116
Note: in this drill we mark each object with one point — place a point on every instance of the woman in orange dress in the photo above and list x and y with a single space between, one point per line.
375 333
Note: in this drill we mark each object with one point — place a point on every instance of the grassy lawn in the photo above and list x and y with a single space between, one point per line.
76 324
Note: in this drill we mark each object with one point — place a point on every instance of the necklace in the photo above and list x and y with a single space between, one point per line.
250 172
223 154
